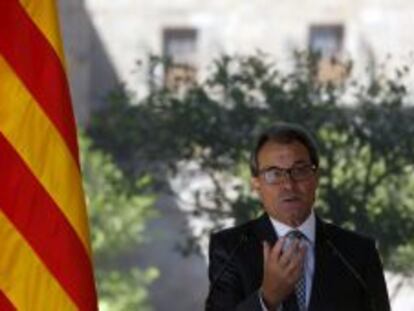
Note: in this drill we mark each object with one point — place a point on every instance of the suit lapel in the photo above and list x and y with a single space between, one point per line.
264 231
261 230
322 270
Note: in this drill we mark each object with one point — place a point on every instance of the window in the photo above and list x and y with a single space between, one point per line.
327 42
180 49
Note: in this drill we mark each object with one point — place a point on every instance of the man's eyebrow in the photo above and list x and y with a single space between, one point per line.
296 163
300 162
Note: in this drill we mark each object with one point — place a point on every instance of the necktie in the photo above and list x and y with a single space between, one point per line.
301 284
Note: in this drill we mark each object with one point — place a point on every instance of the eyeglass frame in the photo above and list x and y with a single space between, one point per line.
287 173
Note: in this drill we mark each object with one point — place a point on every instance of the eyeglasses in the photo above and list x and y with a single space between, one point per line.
275 175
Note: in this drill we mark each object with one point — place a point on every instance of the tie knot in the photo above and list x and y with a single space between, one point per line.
291 236
295 234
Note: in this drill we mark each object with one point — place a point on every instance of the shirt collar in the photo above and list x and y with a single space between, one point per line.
308 227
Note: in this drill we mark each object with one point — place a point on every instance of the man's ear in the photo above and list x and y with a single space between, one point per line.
317 173
254 181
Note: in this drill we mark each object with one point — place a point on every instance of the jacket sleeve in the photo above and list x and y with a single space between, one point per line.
226 289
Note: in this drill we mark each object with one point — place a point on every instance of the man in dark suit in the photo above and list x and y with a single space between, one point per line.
289 259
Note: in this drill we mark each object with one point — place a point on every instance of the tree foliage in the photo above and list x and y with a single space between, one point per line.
118 213
364 130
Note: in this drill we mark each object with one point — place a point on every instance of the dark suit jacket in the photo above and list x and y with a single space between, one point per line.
236 268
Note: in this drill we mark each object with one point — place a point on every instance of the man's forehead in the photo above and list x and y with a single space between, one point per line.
294 152
281 147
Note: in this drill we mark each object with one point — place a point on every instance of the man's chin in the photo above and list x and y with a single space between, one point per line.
292 207
295 212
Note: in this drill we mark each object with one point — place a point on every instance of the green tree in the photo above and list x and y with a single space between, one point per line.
118 213
365 134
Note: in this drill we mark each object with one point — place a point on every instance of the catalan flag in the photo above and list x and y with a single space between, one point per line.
45 253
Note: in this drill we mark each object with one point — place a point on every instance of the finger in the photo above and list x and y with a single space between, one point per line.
278 247
275 251
298 259
290 253
296 263
303 247
266 250
293 271
295 274
299 249
300 253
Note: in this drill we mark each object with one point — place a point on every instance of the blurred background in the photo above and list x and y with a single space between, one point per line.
169 96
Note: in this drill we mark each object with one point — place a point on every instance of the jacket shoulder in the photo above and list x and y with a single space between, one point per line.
233 235
348 238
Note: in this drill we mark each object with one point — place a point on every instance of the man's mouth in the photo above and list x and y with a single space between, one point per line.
290 199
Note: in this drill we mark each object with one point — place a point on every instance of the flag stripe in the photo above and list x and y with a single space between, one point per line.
33 212
44 15
5 304
38 66
37 141
46 258
24 279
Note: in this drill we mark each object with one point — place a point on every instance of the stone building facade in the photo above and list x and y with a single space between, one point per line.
105 39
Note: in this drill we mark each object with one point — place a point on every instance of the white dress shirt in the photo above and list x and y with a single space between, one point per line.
308 228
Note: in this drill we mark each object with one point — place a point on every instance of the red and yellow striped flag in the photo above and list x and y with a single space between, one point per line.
45 253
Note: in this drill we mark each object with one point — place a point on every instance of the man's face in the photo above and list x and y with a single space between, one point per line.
288 201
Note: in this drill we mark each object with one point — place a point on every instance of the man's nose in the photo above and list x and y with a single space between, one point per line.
287 181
